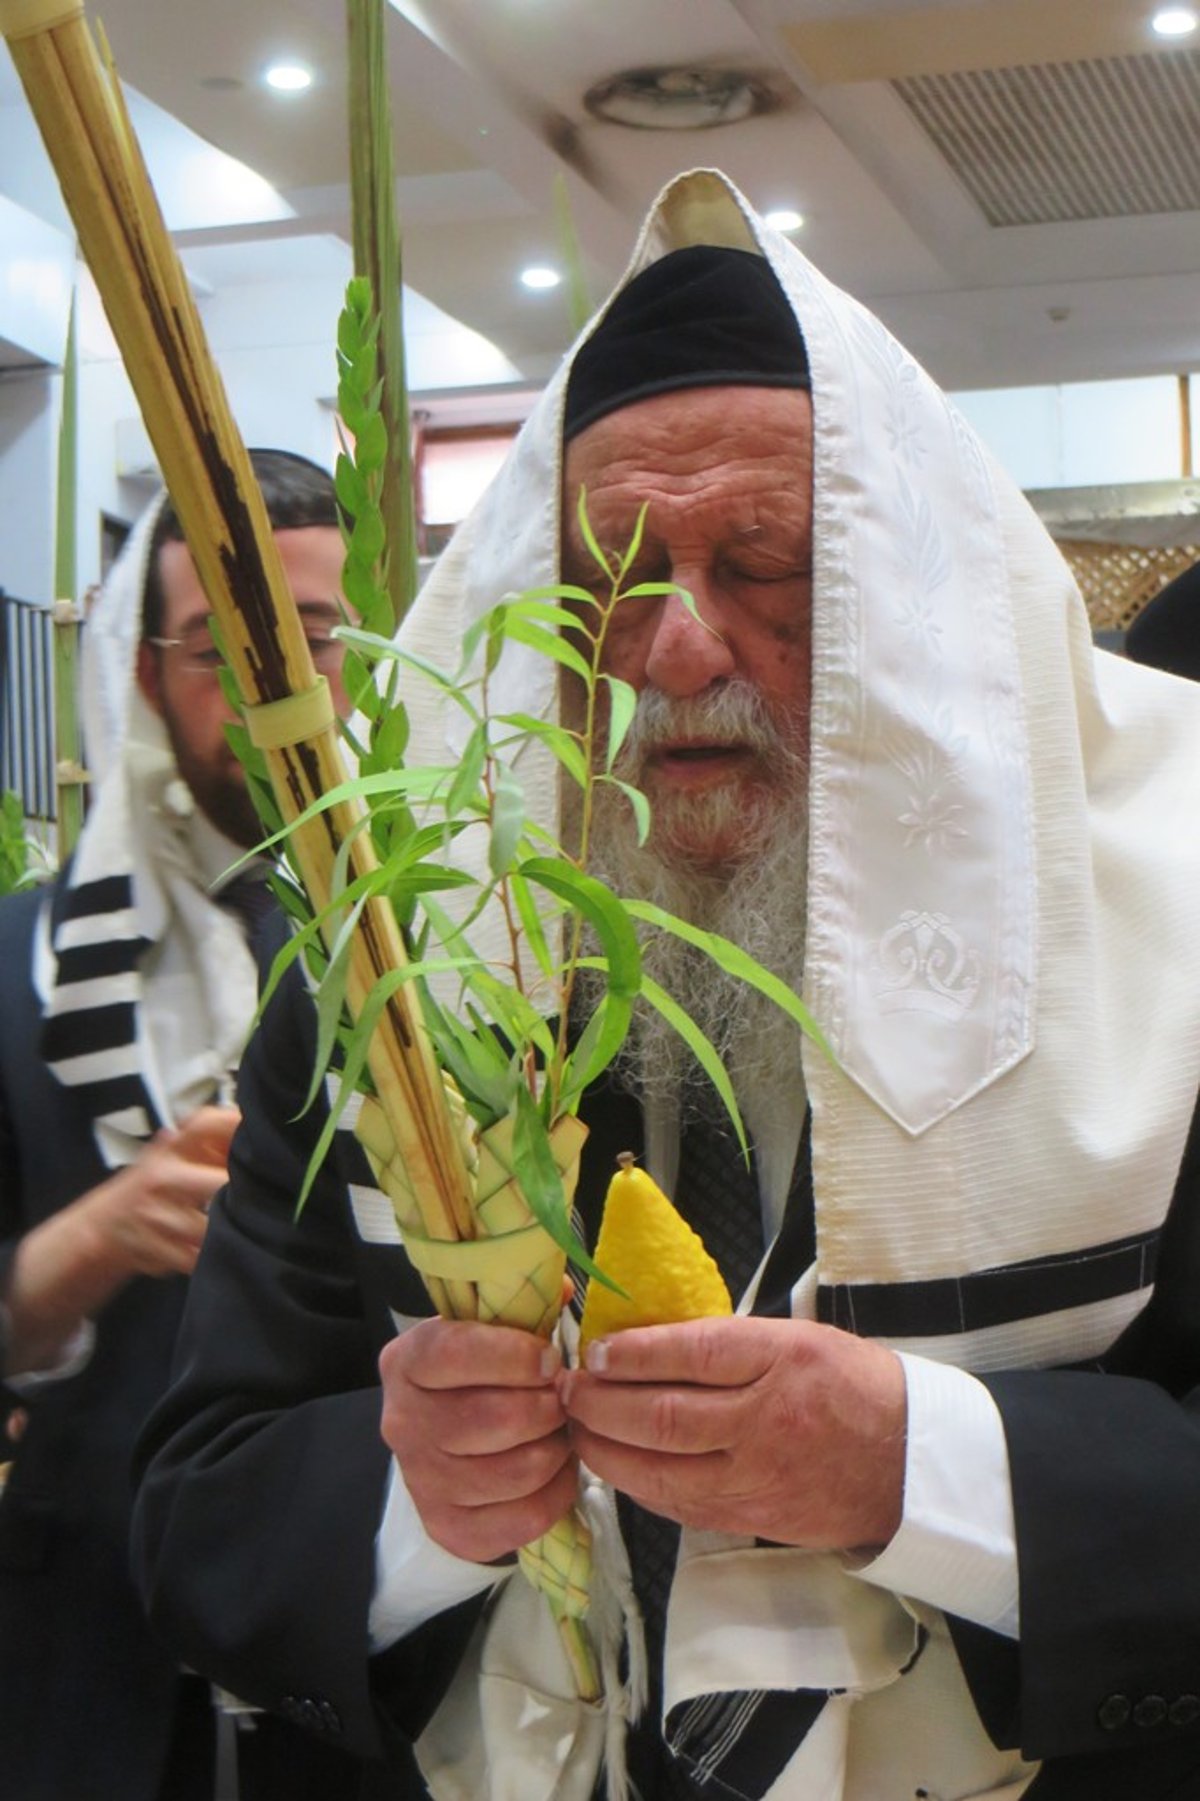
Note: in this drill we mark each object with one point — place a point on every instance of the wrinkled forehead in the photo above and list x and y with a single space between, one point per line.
701 466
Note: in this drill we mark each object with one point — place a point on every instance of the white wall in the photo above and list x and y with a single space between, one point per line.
37 266
28 411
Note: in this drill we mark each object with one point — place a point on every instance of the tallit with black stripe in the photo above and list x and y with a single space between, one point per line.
136 896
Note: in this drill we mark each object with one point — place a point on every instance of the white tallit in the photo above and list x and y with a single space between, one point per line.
144 964
1002 950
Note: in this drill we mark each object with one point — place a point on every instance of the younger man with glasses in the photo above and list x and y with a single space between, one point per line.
126 991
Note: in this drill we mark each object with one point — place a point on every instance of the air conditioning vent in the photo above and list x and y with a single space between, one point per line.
1101 139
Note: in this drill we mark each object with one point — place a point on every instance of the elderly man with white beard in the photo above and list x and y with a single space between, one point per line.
919 1520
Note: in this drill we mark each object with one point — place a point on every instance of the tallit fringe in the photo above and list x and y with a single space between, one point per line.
616 1620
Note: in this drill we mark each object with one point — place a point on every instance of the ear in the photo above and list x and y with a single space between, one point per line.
149 675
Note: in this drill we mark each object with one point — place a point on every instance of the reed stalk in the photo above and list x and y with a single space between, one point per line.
377 256
69 774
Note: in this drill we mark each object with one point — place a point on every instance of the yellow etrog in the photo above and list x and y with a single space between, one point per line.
652 1252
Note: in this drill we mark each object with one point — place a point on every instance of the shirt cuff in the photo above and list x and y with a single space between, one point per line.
414 1577
74 1355
956 1547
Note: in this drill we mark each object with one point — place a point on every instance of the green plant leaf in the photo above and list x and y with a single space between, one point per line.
349 486
469 774
599 1042
389 740
331 1002
597 555
637 800
548 643
508 820
622 705
629 554
601 908
701 1048
735 962
559 741
541 1184
531 924
565 591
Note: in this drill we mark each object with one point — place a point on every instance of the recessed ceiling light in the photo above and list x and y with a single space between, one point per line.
1175 21
783 218
288 78
540 277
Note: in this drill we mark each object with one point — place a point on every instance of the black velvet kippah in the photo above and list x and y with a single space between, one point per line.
698 318
1166 633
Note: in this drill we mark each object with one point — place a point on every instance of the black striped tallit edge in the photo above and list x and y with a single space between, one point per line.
949 1305
108 1027
735 1746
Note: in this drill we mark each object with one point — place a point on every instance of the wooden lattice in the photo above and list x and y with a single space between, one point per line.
1117 580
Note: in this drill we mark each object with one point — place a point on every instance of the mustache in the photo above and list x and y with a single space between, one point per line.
731 712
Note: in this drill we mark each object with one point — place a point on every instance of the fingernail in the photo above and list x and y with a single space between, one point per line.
551 1361
596 1359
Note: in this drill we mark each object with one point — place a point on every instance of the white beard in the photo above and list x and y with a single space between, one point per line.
758 901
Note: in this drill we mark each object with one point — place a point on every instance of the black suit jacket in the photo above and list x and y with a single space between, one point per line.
77 1664
263 1474
88 1693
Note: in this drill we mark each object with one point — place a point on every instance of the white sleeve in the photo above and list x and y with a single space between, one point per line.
415 1578
75 1355
956 1547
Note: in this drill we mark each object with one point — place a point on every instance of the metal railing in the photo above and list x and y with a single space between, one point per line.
27 763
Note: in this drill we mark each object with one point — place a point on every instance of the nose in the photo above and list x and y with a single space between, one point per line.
687 652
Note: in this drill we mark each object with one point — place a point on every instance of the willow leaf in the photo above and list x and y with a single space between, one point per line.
479 1065
531 924
702 1049
559 741
330 1003
735 962
599 1042
507 821
549 644
421 782
540 610
629 554
622 705
541 1184
597 555
466 782
601 908
350 1074
637 800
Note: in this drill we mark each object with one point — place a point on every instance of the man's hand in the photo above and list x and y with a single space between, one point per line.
472 1415
148 1219
777 1428
152 1215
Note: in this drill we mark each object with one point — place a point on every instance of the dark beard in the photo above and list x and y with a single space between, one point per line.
221 794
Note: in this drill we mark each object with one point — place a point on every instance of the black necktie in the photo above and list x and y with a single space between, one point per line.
249 898
717 1193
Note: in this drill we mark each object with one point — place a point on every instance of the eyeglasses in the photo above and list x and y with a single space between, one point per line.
200 656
